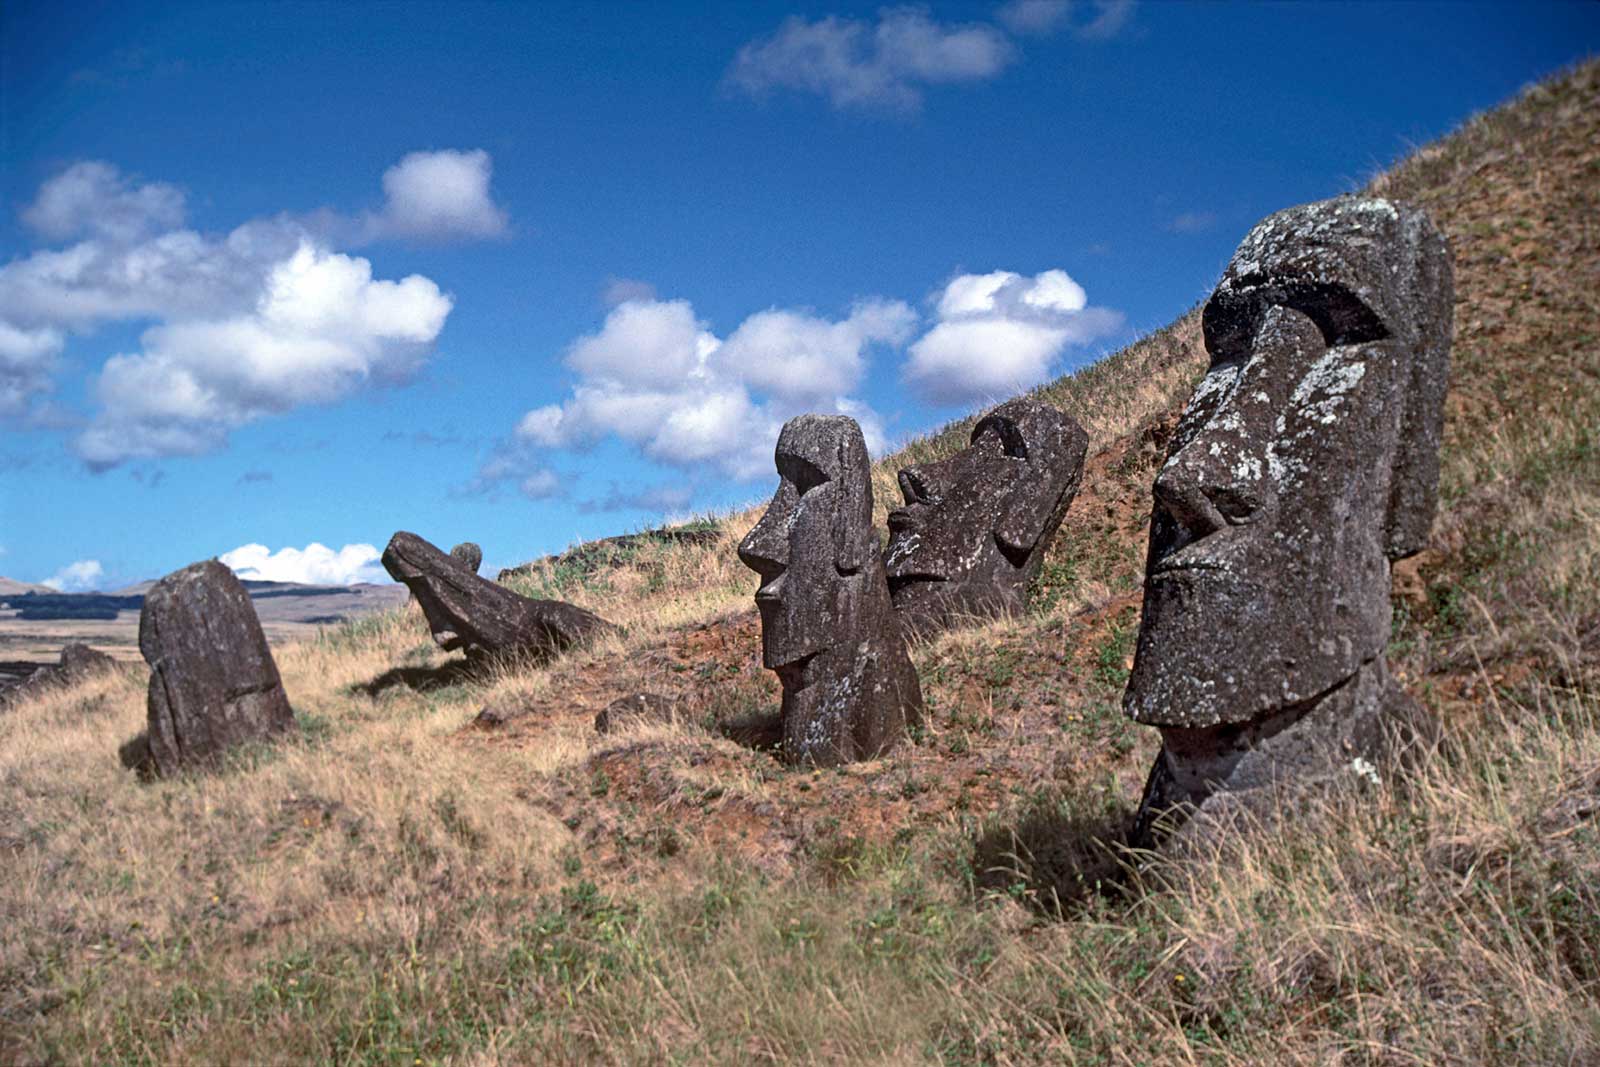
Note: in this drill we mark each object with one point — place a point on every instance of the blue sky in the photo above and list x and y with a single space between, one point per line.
289 275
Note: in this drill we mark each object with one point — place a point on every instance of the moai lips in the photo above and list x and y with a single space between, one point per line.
1305 464
974 528
828 628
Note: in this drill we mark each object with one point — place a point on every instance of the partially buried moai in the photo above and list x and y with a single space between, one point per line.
213 682
975 527
827 626
1305 464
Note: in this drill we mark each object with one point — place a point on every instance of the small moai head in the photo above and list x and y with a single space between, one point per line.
1305 463
974 527
813 545
469 555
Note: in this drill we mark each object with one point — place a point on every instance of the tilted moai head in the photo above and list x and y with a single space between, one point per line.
827 626
1305 463
974 528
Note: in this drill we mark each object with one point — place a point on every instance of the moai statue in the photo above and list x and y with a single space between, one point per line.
827 626
468 612
213 682
1305 464
975 527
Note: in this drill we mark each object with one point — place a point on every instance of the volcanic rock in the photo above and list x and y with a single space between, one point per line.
469 555
975 527
1305 464
213 682
828 628
78 663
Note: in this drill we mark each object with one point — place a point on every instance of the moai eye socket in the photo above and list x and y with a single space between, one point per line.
805 475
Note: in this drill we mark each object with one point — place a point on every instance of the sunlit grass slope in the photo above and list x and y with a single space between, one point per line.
399 886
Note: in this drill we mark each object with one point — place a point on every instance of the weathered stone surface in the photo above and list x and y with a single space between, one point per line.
828 628
1305 463
974 528
639 707
78 663
467 612
469 555
213 682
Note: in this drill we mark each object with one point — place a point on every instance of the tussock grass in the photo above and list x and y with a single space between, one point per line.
392 886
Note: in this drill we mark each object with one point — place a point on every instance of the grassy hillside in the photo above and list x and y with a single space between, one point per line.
400 886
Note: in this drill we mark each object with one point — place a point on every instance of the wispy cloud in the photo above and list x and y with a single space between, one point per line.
623 290
887 65
1193 222
884 65
656 499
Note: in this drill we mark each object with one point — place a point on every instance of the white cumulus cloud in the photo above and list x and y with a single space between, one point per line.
439 195
881 65
316 564
27 364
657 377
76 577
321 328
251 323
95 199
1000 333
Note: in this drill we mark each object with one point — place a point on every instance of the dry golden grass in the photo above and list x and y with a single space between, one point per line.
395 886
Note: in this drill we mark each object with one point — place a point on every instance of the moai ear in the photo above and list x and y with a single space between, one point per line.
1054 445
855 541
1414 485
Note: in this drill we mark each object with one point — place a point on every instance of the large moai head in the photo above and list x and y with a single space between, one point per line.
827 626
1305 463
975 527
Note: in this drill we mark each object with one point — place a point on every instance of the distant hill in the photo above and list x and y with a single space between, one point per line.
12 587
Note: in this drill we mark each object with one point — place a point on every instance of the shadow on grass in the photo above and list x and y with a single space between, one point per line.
423 679
761 729
1059 854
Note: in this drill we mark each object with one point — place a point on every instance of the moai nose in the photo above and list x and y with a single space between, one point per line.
765 548
1216 480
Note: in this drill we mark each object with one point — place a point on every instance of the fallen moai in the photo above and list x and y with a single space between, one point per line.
1305 463
468 612
975 527
78 663
828 628
213 682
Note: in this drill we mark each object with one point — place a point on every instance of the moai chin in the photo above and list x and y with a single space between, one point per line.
828 628
1306 463
975 527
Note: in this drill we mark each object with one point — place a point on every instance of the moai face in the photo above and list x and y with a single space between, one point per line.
974 527
1306 461
811 546
827 626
